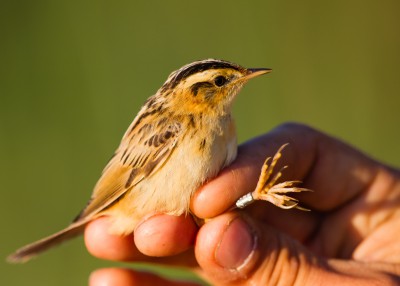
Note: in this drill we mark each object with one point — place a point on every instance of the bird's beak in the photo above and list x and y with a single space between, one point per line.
255 72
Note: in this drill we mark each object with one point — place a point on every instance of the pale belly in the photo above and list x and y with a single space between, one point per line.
170 189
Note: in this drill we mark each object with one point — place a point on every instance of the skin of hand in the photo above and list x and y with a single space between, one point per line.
350 236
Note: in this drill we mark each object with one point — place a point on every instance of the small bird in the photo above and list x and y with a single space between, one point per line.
183 136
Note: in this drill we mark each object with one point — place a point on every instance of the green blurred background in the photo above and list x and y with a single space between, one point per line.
73 74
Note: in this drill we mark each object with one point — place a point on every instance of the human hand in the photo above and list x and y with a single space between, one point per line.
349 237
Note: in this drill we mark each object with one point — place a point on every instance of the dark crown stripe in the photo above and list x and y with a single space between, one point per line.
200 66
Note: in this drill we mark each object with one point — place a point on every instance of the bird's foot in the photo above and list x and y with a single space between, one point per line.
269 190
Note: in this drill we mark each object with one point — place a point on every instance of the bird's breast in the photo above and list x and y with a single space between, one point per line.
197 157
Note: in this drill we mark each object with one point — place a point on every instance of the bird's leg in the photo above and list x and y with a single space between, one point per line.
269 190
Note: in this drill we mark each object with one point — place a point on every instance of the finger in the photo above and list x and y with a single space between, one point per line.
234 249
242 175
104 245
164 235
380 245
336 172
374 273
127 277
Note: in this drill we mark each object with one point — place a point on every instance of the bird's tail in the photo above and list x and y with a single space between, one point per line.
31 250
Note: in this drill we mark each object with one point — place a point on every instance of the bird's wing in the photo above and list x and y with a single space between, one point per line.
145 148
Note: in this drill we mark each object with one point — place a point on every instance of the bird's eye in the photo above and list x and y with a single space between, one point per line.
220 80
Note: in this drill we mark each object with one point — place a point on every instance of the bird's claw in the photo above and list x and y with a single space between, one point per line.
269 190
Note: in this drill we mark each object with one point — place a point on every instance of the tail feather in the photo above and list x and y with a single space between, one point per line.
31 250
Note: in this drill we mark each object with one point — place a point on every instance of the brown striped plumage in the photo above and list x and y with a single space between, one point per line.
182 136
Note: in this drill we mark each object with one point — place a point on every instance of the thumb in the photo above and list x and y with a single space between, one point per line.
234 249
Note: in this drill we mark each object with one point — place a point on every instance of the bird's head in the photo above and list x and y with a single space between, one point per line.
207 86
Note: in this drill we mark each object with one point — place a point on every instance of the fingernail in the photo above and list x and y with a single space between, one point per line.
236 246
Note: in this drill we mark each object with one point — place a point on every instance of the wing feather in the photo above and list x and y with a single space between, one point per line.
143 150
